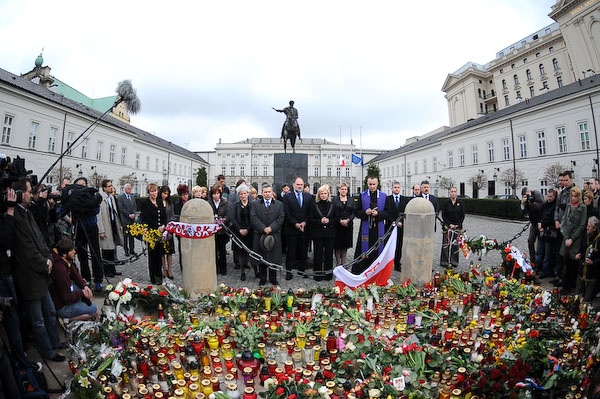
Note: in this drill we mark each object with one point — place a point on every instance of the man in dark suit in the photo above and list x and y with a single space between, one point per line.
32 265
127 207
267 218
297 206
396 204
431 198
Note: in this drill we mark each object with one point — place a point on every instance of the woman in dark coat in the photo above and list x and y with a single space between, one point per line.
153 214
242 226
220 208
344 234
589 269
168 247
322 221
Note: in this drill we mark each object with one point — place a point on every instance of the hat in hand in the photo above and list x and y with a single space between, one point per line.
267 242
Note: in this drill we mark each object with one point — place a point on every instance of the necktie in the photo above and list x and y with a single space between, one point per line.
427 197
268 204
299 199
396 200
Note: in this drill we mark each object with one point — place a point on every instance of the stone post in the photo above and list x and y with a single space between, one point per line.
417 257
198 255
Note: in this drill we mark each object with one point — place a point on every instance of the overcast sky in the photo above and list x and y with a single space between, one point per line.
210 70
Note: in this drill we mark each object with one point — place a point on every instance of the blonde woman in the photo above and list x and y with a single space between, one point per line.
323 219
153 214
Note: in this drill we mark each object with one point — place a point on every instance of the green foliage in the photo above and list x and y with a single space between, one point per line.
202 177
372 171
498 208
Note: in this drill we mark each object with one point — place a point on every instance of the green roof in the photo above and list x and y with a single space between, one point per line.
98 104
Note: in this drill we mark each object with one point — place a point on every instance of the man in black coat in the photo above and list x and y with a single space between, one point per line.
32 265
297 206
431 198
127 208
396 204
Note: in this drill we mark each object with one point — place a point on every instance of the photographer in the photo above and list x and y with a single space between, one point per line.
531 206
10 320
42 207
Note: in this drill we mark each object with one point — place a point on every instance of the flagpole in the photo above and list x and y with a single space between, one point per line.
351 168
362 161
340 162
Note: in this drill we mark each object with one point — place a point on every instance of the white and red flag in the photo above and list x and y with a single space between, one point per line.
378 272
342 160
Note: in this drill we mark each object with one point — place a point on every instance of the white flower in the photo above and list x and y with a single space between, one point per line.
113 296
127 281
126 297
84 382
322 389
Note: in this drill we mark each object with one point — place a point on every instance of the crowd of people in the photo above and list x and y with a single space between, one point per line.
564 235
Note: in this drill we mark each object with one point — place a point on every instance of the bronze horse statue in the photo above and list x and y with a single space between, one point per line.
290 129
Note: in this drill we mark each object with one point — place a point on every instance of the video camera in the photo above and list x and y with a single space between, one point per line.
11 171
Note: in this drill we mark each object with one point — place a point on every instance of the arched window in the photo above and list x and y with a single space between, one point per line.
542 70
555 64
516 78
504 83
528 73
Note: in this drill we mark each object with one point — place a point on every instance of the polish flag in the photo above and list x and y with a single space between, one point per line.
342 161
378 272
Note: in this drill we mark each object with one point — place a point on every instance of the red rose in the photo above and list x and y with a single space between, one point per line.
292 396
279 391
534 334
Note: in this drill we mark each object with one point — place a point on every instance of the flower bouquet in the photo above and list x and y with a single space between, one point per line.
121 296
146 234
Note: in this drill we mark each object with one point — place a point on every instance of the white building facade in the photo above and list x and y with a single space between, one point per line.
39 124
532 108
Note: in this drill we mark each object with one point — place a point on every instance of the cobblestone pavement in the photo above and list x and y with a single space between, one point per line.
137 270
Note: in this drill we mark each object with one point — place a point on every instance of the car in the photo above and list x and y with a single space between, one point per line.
491 197
508 197
462 196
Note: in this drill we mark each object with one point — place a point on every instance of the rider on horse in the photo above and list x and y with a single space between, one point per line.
291 120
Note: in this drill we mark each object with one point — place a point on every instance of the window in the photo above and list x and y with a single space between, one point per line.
506 102
123 155
347 172
416 167
479 92
559 81
137 160
84 148
542 71
338 172
242 170
111 153
254 170
561 132
33 128
516 78
450 159
544 187
541 137
316 171
555 64
52 139
232 170
505 149
550 49
490 151
504 84
435 165
265 170
99 151
531 91
223 170
528 74
519 95
7 129
328 171
461 156
545 85
523 146
584 135
156 163
424 166
147 163
70 138
474 155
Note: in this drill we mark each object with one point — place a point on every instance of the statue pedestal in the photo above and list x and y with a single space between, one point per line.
198 255
417 257
287 168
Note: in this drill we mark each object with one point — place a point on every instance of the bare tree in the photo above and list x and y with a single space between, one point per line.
127 179
551 173
58 174
479 180
95 180
446 183
512 177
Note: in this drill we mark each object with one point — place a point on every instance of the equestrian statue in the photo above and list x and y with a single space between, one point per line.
290 129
